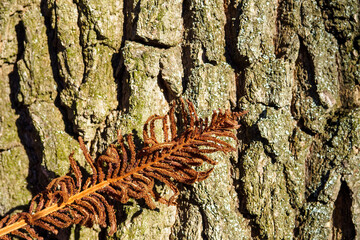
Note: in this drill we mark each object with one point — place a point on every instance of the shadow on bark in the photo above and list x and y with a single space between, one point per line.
343 226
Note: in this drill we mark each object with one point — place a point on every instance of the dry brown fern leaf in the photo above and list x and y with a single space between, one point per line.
122 173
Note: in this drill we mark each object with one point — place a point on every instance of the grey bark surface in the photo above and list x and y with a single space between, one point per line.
87 68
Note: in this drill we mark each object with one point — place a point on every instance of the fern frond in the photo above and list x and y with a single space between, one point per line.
122 173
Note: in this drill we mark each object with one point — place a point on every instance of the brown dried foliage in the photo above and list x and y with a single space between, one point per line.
122 173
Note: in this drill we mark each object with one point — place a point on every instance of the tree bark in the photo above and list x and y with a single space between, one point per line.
87 68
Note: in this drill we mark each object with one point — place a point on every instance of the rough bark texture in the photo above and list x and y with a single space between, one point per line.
86 68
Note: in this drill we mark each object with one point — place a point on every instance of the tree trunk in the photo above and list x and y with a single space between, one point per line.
87 68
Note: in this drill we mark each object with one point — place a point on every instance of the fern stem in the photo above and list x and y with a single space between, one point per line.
12 227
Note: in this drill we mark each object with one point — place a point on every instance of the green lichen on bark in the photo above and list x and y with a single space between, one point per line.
141 88
63 17
211 87
36 81
38 91
159 22
18 194
14 162
68 69
88 36
304 83
142 222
